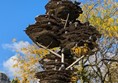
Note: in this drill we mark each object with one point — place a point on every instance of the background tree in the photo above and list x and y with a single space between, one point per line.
15 80
103 14
28 63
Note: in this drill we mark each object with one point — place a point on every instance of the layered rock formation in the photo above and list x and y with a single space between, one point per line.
59 27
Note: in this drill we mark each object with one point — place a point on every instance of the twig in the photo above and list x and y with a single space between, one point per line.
66 21
90 11
110 60
62 61
74 62
62 58
48 50
93 68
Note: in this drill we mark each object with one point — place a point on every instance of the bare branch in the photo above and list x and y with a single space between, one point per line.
48 50
74 62
110 60
66 21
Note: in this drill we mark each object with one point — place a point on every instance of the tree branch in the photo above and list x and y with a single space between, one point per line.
74 62
48 50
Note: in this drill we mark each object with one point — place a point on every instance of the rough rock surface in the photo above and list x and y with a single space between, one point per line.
54 76
59 28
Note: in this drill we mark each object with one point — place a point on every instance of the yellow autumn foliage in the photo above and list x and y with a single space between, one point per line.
15 80
74 79
79 51
43 52
26 63
103 14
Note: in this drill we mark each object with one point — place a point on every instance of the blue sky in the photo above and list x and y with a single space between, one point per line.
15 16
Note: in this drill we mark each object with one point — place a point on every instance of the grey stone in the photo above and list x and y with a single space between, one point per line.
4 78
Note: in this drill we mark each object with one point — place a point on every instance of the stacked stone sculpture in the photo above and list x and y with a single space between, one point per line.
59 27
